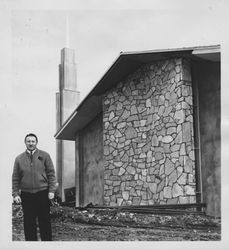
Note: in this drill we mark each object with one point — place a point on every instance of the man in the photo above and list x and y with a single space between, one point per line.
34 184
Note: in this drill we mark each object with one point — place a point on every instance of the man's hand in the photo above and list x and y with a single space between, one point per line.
51 196
17 199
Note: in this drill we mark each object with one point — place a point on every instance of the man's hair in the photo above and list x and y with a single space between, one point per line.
31 134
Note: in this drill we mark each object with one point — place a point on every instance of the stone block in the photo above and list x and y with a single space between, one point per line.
151 202
111 116
171 130
125 195
170 124
187 132
108 192
161 100
117 134
125 158
132 192
148 103
172 74
121 125
166 148
192 199
133 110
107 200
142 155
115 153
116 183
167 192
115 171
169 166
155 141
106 150
142 123
130 133
175 147
189 190
188 164
182 149
125 114
177 78
162 170
119 201
144 172
174 155
191 155
172 201
167 111
136 200
132 118
141 165
120 145
191 178
159 156
173 177
161 186
179 116
189 100
177 190
179 171
179 128
118 164
182 180
173 98
167 139
121 171
144 202
131 170
184 200
161 110
141 109
119 106
152 187
178 138
156 117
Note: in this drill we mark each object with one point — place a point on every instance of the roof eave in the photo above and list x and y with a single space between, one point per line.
94 97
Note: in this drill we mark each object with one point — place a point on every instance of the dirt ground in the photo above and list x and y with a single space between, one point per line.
69 224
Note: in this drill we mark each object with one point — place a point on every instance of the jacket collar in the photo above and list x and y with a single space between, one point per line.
33 152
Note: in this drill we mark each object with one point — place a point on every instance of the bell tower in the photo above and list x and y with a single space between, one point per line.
67 99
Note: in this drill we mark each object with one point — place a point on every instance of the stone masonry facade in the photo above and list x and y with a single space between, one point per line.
148 137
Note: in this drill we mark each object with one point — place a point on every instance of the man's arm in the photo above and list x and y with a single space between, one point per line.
16 178
50 172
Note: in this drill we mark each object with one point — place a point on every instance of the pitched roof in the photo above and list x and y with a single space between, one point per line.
125 63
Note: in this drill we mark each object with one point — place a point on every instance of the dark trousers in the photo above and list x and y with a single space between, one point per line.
36 207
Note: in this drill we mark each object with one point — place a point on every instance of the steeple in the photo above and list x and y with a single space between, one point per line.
68 78
67 37
67 99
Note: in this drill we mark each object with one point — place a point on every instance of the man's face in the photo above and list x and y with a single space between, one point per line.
31 143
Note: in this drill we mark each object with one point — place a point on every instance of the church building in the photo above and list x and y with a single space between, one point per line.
148 133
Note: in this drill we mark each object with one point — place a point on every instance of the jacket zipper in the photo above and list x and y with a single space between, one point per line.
32 170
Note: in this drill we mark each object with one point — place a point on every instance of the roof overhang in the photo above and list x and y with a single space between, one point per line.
126 63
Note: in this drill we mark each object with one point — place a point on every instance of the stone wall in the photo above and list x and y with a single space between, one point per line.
148 137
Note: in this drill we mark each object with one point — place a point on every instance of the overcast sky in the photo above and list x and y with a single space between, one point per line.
32 34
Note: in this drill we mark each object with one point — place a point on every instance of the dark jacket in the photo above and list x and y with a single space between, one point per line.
33 174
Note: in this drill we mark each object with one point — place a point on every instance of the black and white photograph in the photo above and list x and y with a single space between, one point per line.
114 121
